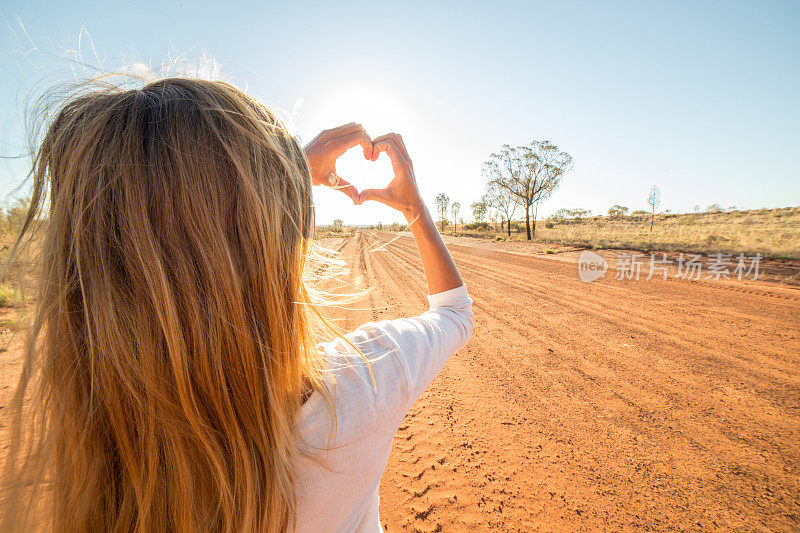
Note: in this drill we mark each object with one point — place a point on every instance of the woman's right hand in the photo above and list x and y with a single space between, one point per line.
401 193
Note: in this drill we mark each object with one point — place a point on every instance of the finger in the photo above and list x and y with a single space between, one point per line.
378 195
326 133
343 143
344 128
398 140
342 131
340 184
393 151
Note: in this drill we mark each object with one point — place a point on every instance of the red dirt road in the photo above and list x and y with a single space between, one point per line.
613 405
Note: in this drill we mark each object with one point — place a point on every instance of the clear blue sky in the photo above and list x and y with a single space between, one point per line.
700 98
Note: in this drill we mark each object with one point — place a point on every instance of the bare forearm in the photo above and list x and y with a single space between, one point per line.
401 194
440 270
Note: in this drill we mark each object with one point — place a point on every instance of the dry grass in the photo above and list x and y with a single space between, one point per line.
770 232
18 275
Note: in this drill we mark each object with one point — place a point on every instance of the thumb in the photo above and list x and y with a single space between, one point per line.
378 195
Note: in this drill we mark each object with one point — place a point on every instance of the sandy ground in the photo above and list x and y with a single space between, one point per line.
613 405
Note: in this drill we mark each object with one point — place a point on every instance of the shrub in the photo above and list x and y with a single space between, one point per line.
396 227
477 226
6 296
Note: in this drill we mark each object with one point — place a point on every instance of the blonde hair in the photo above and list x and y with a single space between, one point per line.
172 343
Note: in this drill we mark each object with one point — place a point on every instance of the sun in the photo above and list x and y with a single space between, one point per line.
380 109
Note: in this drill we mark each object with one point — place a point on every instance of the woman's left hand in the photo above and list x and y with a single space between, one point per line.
323 151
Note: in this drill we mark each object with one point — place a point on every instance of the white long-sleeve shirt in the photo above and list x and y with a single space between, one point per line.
405 355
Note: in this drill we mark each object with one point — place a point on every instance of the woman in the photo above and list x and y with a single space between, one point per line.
173 382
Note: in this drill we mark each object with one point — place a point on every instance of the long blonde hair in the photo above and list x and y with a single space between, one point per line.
172 343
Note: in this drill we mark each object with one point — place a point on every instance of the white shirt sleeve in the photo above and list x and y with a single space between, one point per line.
341 492
406 354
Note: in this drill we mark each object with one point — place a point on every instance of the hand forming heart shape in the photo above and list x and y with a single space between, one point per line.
322 152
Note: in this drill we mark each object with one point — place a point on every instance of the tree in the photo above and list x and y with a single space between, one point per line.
15 215
714 208
478 210
531 173
454 209
337 224
442 201
501 199
560 215
617 211
653 200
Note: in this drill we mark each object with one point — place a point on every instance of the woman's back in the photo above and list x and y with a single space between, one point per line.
404 356
174 338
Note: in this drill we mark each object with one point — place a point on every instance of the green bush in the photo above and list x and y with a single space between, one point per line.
6 296
477 226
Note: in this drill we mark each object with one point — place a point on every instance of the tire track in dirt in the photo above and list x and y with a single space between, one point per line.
647 395
602 291
667 334
697 343
544 421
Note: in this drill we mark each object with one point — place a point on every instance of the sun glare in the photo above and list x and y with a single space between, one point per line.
380 110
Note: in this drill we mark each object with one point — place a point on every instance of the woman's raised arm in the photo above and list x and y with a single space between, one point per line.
402 194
